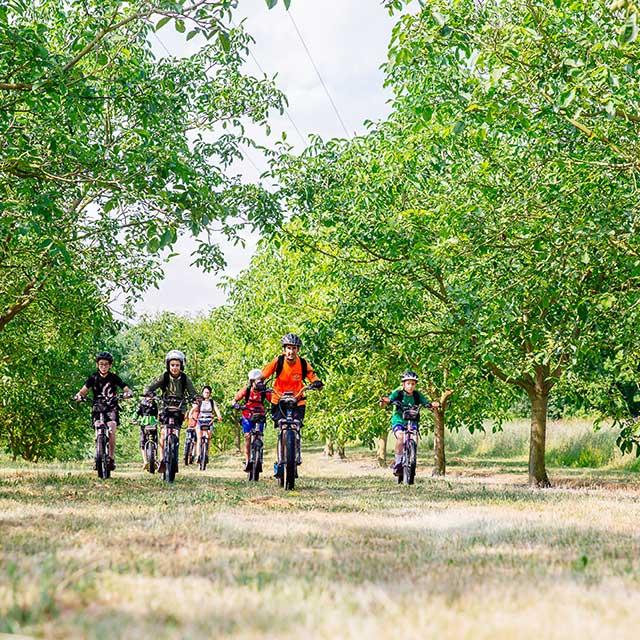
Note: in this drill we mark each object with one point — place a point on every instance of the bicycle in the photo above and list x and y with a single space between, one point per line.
102 406
190 446
172 416
289 438
203 457
411 433
257 419
149 444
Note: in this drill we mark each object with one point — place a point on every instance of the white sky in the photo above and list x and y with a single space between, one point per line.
348 41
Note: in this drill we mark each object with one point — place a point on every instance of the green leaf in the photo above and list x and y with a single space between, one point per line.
162 22
192 34
438 17
271 3
180 27
629 32
566 98
225 42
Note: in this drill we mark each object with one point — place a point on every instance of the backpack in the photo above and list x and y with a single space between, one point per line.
165 381
280 366
416 397
247 393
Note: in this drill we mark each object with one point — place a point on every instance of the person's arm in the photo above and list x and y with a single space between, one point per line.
395 396
216 410
269 369
424 402
156 384
312 377
191 390
84 390
240 395
124 386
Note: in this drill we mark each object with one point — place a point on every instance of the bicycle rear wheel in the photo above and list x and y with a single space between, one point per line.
290 460
150 451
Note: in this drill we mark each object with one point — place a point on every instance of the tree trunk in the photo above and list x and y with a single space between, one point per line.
381 449
439 463
328 447
341 453
537 469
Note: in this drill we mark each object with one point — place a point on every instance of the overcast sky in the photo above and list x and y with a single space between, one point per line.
348 43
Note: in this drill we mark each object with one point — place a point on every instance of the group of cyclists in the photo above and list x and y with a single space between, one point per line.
288 372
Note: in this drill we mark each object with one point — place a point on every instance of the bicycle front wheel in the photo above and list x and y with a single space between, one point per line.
290 460
409 466
204 453
256 459
172 458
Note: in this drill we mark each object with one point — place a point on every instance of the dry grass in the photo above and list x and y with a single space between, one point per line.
348 555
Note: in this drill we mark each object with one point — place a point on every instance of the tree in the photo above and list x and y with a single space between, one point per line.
108 153
503 183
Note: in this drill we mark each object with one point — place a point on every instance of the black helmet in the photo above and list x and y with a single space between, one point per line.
292 339
104 355
409 375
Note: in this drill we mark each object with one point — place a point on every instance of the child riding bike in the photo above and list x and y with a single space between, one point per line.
206 408
104 384
406 396
175 384
252 399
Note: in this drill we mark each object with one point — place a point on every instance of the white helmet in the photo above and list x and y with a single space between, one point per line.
174 354
254 374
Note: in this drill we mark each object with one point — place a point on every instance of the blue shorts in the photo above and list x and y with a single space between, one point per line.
399 427
247 425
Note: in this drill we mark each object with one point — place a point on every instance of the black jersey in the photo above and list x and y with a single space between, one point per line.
104 386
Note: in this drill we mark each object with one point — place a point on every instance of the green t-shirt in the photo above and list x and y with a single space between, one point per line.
407 400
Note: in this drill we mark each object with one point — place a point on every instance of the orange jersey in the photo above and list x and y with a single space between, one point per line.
290 379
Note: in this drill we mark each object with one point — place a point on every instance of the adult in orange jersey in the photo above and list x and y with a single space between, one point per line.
290 372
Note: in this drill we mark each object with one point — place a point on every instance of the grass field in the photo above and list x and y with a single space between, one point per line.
349 554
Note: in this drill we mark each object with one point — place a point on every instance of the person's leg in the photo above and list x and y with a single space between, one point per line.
275 416
398 432
142 447
113 427
112 423
161 464
300 411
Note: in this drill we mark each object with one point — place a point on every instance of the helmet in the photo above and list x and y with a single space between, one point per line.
174 354
292 339
409 375
254 374
104 355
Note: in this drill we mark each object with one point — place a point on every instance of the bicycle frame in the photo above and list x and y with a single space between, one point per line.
205 438
256 438
103 433
171 421
287 423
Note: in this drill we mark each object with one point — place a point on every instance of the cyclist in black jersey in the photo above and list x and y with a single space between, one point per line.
105 384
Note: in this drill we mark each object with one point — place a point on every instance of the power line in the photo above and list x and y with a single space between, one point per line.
304 44
162 43
264 73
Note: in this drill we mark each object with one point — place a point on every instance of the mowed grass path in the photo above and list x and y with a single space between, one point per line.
349 554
